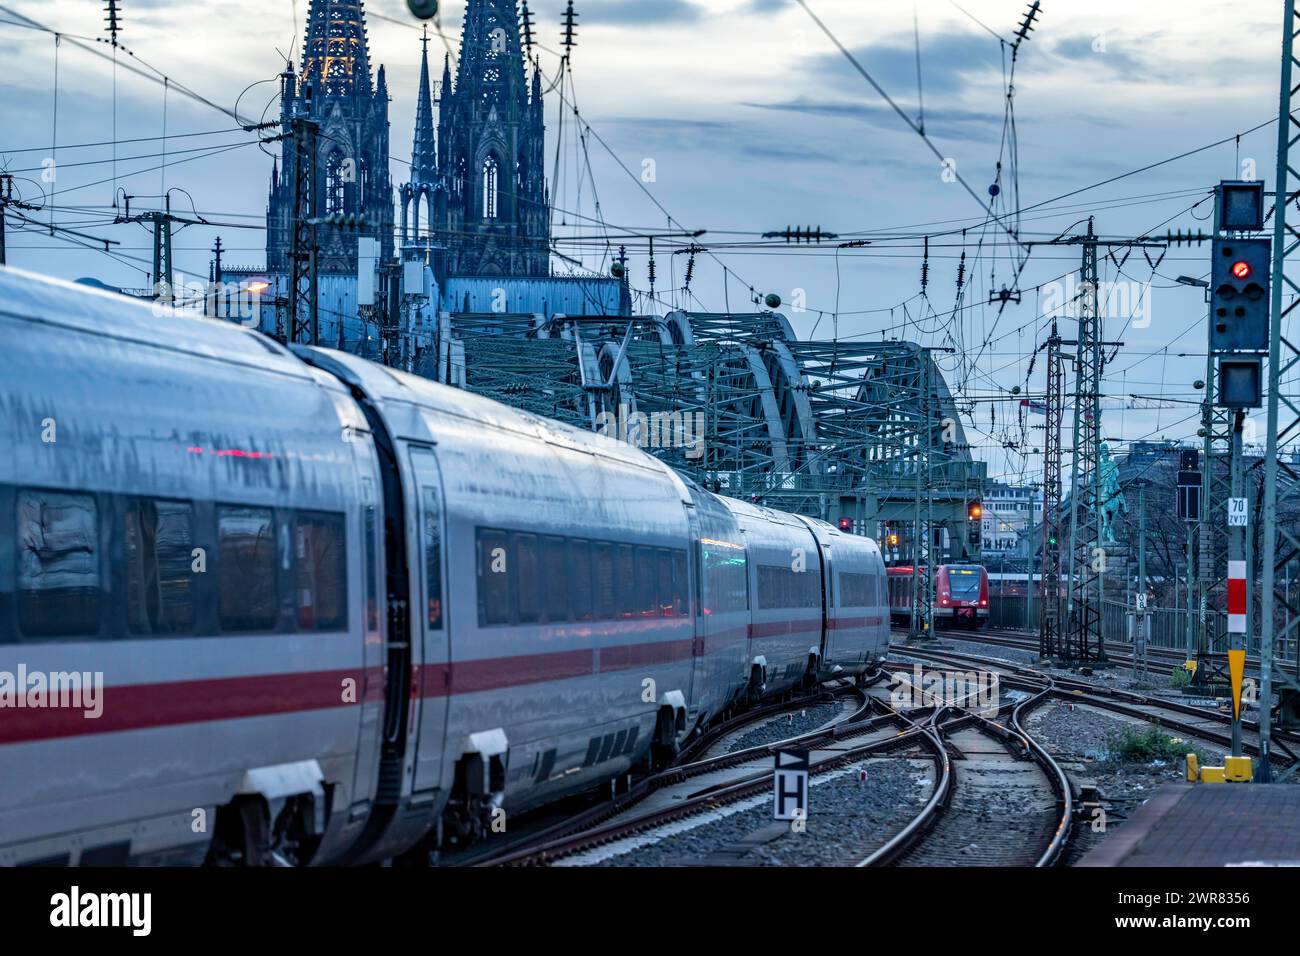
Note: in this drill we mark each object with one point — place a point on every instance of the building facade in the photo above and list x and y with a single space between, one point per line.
1011 513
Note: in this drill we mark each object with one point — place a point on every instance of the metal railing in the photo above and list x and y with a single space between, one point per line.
1167 626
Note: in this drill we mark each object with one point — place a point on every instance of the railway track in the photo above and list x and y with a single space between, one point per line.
1200 723
1119 653
998 796
702 777
1010 804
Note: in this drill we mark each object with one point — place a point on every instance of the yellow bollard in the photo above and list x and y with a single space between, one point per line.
1193 772
1239 769
1213 775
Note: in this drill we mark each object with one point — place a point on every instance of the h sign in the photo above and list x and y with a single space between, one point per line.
791 783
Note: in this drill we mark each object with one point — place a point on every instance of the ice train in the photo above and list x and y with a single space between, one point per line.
262 605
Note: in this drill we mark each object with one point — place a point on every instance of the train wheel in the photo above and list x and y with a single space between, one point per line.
243 834
754 692
663 748
809 679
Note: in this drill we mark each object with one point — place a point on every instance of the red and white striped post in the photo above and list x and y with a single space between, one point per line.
1236 597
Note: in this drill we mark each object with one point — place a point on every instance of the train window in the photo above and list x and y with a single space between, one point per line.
647 579
579 580
246 569
625 580
159 539
320 554
782 587
554 576
725 577
372 566
528 578
771 588
669 604
433 555
681 586
494 576
812 588
856 589
606 593
767 597
59 586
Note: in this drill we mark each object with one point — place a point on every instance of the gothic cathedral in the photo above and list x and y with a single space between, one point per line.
476 203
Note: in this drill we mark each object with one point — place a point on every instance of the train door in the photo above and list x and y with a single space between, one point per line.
823 546
829 600
430 689
372 704
698 681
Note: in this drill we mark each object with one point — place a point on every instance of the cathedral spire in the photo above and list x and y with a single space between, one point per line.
490 147
424 159
334 89
335 51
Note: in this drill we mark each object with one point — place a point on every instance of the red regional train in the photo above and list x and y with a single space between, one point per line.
961 595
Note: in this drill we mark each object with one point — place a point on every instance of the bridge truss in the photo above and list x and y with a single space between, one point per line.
864 433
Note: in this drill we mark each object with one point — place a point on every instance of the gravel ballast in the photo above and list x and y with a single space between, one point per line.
847 820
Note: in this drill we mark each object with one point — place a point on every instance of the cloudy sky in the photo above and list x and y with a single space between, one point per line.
739 117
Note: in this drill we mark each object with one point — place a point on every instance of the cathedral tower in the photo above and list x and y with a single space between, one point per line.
491 214
334 88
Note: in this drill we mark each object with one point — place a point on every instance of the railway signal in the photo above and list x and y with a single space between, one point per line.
1239 299
1189 486
1240 205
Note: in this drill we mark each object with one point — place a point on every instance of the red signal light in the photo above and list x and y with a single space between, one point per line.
846 524
976 511
1241 269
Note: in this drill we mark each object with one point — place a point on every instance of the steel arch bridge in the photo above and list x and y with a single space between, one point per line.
866 432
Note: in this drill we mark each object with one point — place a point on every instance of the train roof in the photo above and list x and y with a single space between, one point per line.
394 388
55 302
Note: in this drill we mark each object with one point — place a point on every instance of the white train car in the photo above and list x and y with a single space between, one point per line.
857 605
319 611
182 535
786 578
556 647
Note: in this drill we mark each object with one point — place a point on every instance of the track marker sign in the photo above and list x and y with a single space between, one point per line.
1237 513
1236 597
1236 668
791 785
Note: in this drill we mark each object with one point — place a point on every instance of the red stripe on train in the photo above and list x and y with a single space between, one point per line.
144 706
